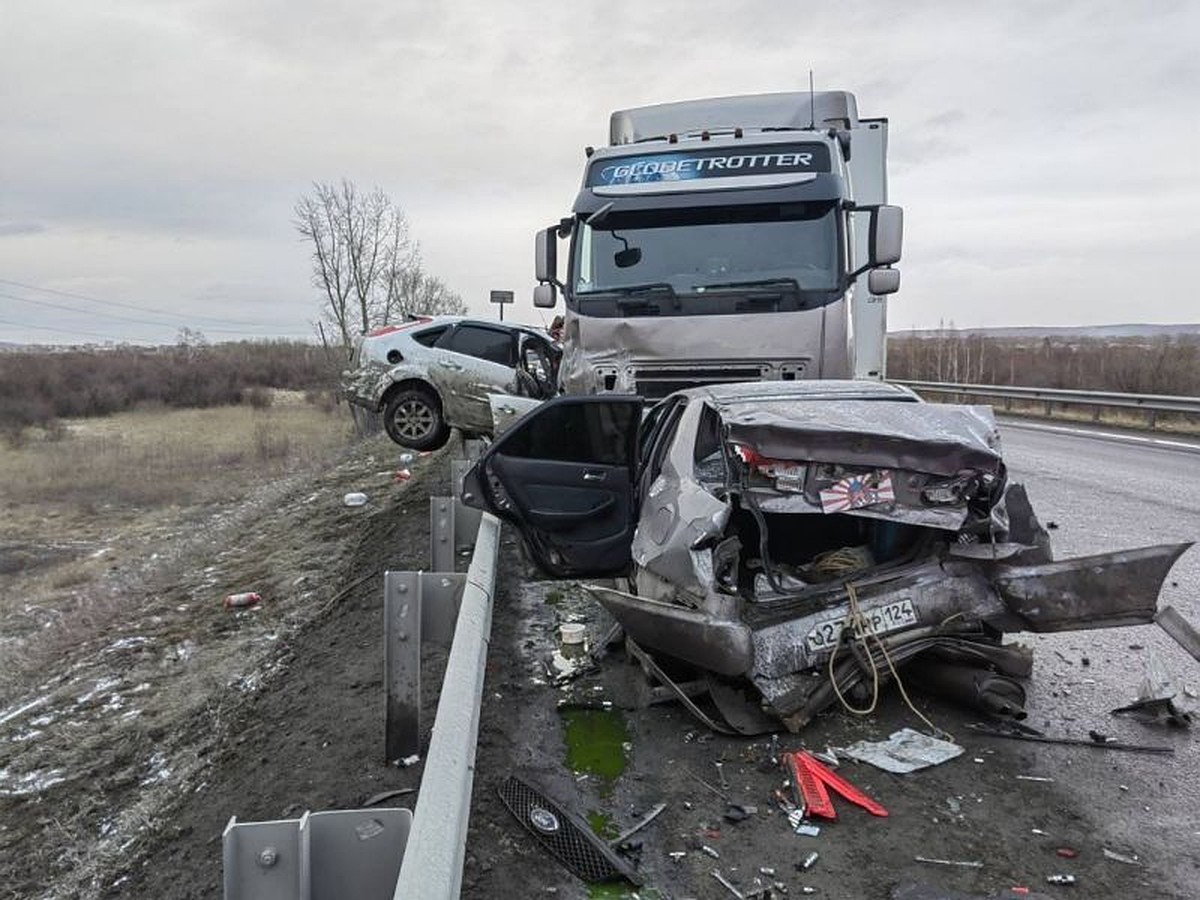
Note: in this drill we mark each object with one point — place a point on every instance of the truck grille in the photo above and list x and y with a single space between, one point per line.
654 384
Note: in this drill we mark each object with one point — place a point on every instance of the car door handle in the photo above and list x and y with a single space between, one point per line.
450 365
594 476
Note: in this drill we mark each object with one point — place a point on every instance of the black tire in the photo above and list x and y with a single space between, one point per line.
412 417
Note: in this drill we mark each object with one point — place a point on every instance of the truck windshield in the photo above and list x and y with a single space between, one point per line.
694 254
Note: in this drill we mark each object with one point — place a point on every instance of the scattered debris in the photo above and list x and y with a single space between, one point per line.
1044 778
809 861
737 813
961 863
905 751
248 598
1155 701
638 825
376 799
572 633
401 476
724 882
355 498
1122 858
408 761
1170 621
811 780
1060 879
1066 853
709 851
716 791
1037 737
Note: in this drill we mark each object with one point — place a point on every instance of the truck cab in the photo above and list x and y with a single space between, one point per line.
726 240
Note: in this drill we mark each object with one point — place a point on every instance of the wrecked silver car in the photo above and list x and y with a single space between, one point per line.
432 374
805 537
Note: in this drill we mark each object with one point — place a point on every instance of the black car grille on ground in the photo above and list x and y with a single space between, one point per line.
565 836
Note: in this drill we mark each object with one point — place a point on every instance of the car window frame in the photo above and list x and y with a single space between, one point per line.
446 341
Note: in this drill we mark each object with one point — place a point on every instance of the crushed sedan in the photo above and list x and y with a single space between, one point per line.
431 374
806 538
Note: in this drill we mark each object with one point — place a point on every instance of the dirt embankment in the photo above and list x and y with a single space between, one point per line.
96 759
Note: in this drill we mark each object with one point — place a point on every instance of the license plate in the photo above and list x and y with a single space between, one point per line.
879 620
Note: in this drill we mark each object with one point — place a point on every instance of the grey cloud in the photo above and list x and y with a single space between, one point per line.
12 229
178 137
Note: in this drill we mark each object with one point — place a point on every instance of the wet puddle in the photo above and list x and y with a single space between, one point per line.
597 743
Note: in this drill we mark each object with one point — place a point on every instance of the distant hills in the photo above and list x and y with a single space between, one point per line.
1068 331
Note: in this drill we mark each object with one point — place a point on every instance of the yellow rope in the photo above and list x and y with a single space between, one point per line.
856 622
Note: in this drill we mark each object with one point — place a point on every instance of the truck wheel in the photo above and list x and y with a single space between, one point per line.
413 418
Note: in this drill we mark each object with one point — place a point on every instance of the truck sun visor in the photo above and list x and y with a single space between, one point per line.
710 162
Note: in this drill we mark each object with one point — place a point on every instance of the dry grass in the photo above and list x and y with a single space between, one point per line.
158 457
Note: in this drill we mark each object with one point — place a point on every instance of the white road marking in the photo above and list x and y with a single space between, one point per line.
1116 436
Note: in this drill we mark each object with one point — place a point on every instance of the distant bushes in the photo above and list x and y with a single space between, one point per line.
1134 365
37 388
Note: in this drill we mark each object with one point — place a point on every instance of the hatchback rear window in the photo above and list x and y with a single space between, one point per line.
429 336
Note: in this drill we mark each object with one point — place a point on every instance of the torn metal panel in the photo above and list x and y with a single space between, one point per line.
1103 591
718 644
678 516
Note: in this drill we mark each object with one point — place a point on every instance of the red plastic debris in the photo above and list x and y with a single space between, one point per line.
401 475
1019 890
1066 852
812 780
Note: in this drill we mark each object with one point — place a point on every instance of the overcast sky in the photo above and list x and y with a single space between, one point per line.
1047 155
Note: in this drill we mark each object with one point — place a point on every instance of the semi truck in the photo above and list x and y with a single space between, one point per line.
727 239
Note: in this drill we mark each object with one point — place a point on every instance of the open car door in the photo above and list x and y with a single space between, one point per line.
564 476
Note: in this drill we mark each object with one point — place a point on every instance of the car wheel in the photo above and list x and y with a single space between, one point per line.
413 418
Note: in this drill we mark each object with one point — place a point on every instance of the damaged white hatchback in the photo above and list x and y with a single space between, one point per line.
805 537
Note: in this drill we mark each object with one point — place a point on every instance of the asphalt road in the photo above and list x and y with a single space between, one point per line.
1107 492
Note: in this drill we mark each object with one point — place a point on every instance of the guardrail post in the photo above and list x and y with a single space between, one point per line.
402 664
441 533
418 607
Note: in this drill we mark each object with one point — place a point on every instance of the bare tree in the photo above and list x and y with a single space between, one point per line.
361 245
412 292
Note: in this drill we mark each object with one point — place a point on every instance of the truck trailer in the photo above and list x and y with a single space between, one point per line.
724 240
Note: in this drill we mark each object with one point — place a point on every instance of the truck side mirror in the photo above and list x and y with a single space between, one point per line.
546 296
887 234
545 265
883 281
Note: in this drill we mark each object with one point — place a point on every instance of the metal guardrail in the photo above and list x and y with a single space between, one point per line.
374 854
1151 404
433 858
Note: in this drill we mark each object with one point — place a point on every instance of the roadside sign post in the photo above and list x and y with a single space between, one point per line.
500 298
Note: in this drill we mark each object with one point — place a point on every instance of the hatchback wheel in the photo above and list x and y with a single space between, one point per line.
413 418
